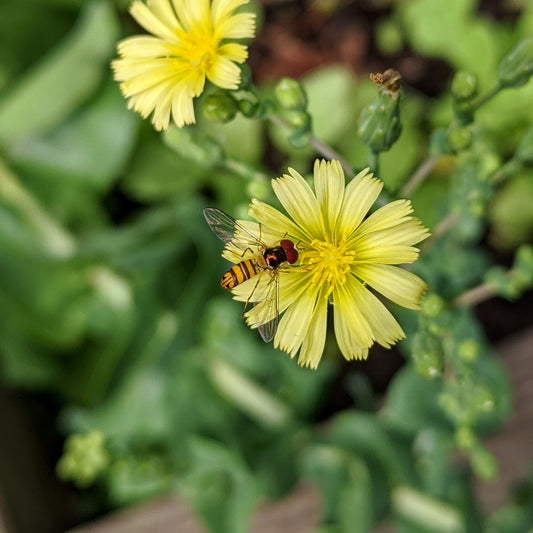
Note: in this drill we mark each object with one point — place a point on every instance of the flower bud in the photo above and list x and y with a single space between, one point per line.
427 355
500 281
84 458
483 462
468 350
290 94
516 68
432 305
250 108
465 438
464 86
379 123
459 139
523 264
300 127
219 106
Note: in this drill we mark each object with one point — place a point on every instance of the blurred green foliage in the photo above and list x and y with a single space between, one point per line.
109 297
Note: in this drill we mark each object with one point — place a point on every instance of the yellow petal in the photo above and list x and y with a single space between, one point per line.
270 217
300 203
314 341
329 187
385 329
349 321
238 26
142 46
150 22
388 216
223 9
398 285
164 12
224 73
359 196
294 324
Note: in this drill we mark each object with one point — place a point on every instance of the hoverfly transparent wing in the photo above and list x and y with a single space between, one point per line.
266 305
226 227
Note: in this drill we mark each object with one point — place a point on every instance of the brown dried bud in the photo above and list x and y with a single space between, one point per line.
389 80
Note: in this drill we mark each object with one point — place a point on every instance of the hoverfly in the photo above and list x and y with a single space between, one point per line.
268 260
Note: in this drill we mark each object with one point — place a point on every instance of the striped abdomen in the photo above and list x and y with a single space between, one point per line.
239 273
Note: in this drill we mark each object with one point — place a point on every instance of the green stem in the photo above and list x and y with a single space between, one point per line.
245 170
329 153
474 296
319 146
373 161
486 98
442 227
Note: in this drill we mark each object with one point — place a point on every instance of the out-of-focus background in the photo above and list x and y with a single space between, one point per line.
133 397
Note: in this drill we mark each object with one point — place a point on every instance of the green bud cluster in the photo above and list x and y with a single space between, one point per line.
464 89
464 86
291 98
468 350
512 283
379 123
458 138
466 401
290 95
84 458
517 67
427 355
483 462
219 106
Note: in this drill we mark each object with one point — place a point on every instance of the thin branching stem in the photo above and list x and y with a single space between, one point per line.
245 170
475 295
418 177
442 227
486 98
329 153
320 146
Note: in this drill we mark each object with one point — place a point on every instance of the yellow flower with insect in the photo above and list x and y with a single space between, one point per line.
191 40
328 252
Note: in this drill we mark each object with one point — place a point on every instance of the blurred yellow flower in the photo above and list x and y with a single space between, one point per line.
344 258
162 73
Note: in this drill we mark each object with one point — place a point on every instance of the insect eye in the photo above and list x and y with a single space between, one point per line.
291 255
286 244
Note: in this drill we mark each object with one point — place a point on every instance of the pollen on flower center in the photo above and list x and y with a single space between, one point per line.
329 262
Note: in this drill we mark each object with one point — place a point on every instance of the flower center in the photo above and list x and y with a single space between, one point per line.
330 263
197 48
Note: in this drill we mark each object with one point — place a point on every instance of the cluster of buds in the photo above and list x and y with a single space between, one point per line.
291 99
84 458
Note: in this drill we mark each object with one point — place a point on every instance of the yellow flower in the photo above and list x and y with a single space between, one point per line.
345 257
162 73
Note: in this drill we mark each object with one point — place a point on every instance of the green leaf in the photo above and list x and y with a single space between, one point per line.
411 402
220 486
346 485
88 150
63 80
